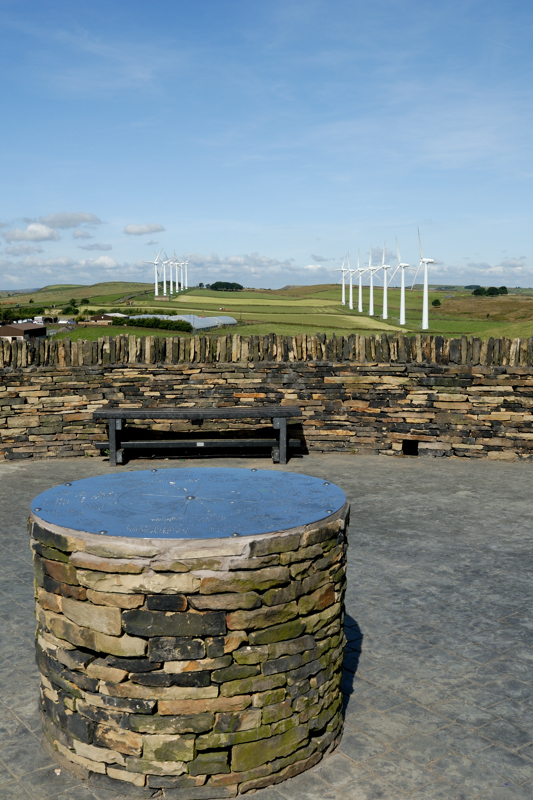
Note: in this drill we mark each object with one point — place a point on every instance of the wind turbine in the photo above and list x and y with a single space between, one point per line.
425 301
156 264
385 267
360 272
167 261
185 272
402 267
344 270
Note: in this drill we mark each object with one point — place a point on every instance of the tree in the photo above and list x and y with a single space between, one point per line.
31 299
501 290
436 303
84 301
200 285
226 286
72 302
479 292
492 291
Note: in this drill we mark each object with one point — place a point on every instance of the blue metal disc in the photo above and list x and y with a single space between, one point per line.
198 503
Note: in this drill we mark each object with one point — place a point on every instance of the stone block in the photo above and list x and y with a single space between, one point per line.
253 581
122 741
115 599
235 672
261 617
155 623
119 565
282 664
251 655
124 646
230 722
128 777
173 707
166 747
60 572
172 648
98 618
253 754
149 767
225 602
262 699
291 646
209 764
198 665
318 600
278 633
101 670
166 602
184 723
145 583
98 754
133 664
252 685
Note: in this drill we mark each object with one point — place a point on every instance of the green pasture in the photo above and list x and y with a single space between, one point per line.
298 309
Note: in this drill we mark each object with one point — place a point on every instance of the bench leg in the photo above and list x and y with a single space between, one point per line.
113 442
280 424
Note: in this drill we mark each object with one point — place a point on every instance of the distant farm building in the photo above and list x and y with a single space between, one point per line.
198 323
18 331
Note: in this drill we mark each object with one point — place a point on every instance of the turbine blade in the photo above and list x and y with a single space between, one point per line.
420 244
398 251
416 275
383 258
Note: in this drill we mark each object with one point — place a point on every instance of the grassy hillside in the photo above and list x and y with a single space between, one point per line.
299 309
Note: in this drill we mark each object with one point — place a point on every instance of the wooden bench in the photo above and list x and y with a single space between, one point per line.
117 416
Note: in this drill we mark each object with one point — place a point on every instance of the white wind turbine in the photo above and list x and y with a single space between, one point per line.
425 301
386 281
156 271
185 273
344 270
402 267
371 270
165 262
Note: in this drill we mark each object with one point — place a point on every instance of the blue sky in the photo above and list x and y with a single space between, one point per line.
265 138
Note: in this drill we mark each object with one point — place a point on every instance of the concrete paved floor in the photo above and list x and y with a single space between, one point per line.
439 666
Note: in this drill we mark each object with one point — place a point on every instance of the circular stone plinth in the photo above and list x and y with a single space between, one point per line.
189 503
177 655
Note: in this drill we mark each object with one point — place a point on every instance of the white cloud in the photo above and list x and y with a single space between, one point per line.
24 249
510 268
96 246
35 232
67 219
81 234
104 262
139 230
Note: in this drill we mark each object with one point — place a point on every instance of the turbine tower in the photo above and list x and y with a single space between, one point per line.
156 276
425 301
344 270
385 267
402 267
360 273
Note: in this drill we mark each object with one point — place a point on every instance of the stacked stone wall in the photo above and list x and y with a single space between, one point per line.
204 668
465 410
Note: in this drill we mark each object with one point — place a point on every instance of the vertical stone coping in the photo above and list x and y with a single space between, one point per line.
206 669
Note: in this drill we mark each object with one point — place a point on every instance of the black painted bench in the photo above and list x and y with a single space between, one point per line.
117 416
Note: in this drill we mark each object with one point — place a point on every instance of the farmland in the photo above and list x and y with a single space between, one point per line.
297 309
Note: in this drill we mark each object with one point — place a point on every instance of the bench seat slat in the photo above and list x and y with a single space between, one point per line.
264 412
149 444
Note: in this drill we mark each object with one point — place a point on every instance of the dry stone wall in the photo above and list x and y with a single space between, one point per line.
461 397
205 668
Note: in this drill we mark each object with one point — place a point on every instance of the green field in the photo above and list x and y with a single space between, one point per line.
298 309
